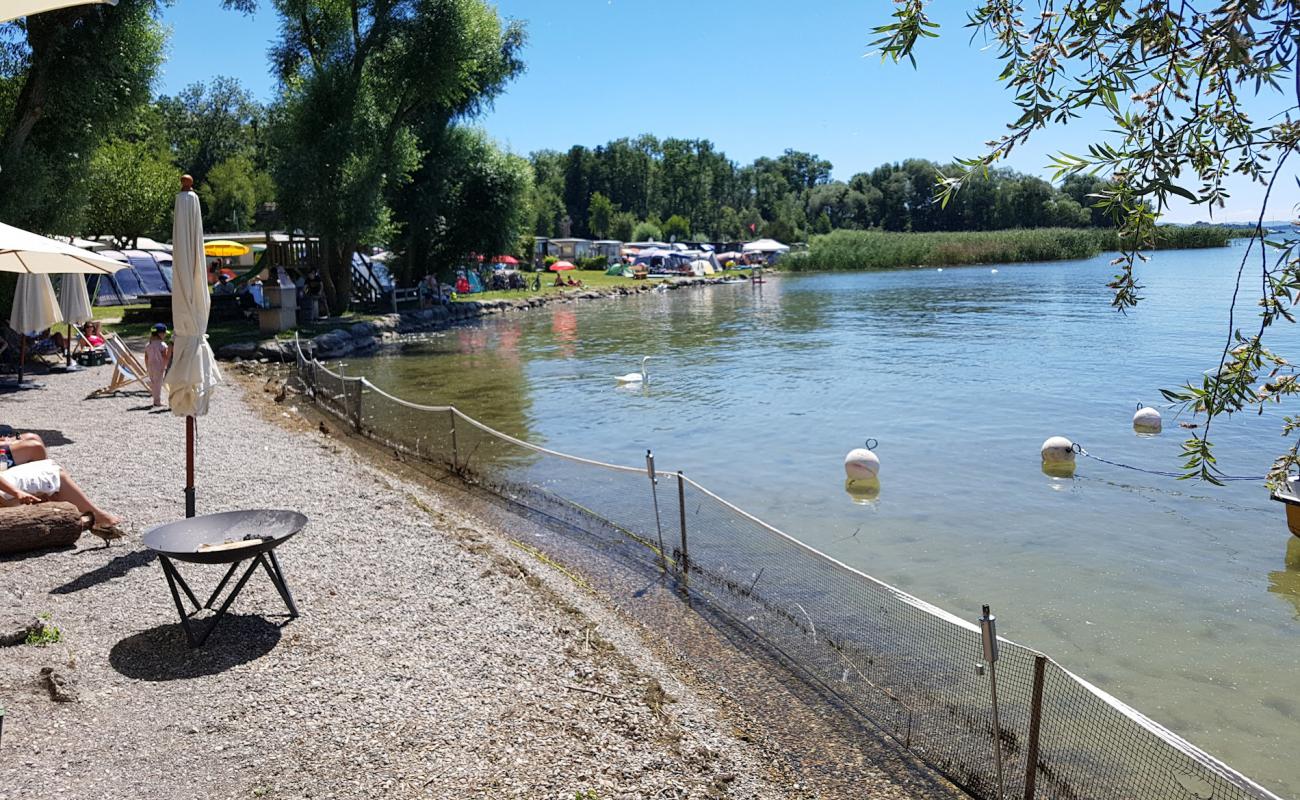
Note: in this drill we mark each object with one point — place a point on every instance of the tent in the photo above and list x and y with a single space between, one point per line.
765 246
619 271
147 272
701 267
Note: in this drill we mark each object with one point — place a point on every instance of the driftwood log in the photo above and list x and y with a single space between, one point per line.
44 525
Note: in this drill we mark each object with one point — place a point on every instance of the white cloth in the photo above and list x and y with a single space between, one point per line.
74 300
35 305
193 370
34 477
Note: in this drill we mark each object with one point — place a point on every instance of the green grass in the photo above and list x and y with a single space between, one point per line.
227 331
872 250
590 280
47 635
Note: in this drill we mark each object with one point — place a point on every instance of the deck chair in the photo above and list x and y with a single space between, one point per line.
127 369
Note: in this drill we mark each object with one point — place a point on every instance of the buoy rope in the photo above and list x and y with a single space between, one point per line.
1078 448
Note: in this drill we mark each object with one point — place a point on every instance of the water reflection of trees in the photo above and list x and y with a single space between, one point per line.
477 368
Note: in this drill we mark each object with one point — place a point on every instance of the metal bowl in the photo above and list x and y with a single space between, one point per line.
181 539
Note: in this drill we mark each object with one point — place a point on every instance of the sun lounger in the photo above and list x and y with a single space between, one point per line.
127 369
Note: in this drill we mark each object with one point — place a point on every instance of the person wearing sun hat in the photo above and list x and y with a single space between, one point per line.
157 355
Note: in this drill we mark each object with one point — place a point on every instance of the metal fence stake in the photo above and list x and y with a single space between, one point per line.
1035 721
455 450
356 413
685 566
654 496
989 637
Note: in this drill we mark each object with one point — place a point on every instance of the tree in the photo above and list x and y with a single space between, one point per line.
1187 89
361 82
622 225
232 192
677 227
467 197
129 189
647 231
68 80
207 124
600 214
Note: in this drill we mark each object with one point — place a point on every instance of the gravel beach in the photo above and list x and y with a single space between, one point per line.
443 650
432 658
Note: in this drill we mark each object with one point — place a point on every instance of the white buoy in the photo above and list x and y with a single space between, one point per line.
861 464
1147 420
1058 456
993 272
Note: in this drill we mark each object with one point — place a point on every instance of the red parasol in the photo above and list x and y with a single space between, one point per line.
507 260
560 266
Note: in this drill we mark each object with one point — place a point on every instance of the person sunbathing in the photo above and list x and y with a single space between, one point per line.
20 449
28 476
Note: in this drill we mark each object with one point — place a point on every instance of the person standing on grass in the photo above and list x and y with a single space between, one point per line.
157 355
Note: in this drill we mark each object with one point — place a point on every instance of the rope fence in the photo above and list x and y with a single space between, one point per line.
915 671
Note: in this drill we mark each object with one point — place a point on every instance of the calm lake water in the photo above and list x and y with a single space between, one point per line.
1181 599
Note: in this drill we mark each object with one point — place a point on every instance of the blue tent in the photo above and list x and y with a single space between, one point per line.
147 272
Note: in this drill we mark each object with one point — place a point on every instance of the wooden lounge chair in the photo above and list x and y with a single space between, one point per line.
640 272
127 369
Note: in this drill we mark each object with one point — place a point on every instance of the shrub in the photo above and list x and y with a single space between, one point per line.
592 263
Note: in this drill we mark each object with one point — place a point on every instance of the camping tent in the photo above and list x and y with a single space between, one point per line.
765 246
619 270
147 272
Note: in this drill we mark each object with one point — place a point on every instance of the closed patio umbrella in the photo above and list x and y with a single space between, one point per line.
13 9
36 308
74 305
193 371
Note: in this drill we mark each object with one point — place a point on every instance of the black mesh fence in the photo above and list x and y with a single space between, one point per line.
914 670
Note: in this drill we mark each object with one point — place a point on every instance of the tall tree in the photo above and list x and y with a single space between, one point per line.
207 124
68 80
600 215
467 197
361 81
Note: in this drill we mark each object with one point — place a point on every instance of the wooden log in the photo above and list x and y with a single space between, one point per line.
40 526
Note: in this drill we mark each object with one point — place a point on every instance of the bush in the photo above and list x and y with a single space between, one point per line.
592 263
549 260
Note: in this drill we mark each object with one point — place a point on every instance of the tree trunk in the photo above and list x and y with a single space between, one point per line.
36 527
337 273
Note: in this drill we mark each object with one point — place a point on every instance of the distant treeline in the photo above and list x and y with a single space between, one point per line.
647 188
869 250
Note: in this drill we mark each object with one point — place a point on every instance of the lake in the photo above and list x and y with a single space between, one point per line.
1180 598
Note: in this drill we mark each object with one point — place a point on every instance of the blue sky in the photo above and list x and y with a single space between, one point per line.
755 77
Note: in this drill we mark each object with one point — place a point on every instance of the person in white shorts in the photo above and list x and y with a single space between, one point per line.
44 481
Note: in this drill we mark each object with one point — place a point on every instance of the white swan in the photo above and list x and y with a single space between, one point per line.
634 377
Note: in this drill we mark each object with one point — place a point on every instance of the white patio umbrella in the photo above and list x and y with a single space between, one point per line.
193 371
74 304
35 309
24 251
13 9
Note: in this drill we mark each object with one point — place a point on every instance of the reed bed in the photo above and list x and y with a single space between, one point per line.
873 250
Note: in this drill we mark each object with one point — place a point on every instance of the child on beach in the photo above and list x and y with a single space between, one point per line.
157 355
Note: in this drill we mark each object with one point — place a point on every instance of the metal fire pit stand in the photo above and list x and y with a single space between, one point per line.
266 560
230 539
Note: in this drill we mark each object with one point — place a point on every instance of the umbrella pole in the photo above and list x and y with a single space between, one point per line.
189 466
22 357
67 347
